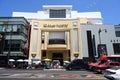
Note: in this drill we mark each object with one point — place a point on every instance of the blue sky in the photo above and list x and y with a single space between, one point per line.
110 9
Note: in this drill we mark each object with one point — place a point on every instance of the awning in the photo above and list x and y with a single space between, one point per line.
11 60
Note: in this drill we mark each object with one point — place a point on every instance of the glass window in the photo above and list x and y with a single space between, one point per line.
44 54
42 36
14 28
57 13
15 45
1 28
34 40
75 23
76 47
8 28
116 47
19 28
22 29
56 35
117 33
36 24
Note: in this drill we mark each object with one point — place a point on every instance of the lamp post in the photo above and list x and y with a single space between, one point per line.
99 31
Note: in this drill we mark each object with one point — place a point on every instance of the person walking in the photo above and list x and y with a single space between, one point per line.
103 59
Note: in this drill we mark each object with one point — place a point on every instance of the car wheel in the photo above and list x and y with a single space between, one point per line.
70 68
102 71
112 78
93 69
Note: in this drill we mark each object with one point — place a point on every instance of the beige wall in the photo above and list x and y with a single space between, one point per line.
55 25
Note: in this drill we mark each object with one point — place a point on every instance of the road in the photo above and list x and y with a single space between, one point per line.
47 74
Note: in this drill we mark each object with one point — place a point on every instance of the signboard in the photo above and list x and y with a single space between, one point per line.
101 48
55 25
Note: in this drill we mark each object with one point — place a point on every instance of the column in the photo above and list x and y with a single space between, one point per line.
68 40
46 40
72 44
39 45
80 43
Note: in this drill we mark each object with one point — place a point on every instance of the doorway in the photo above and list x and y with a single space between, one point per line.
58 56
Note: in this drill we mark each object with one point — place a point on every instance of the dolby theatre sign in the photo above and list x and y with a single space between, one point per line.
55 25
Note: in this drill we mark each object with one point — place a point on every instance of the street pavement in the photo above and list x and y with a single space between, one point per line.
48 74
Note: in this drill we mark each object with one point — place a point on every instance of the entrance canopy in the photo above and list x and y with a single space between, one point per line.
47 59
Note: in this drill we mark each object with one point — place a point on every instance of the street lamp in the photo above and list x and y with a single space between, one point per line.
99 31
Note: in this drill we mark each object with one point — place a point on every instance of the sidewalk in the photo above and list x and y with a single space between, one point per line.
60 76
2 68
53 76
79 77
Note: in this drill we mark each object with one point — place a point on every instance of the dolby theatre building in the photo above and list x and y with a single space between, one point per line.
59 33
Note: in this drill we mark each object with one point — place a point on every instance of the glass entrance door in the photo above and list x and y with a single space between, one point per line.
58 56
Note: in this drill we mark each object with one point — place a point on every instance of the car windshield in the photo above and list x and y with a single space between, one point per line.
116 68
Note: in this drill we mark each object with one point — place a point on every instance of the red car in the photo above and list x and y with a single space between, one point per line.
93 65
107 65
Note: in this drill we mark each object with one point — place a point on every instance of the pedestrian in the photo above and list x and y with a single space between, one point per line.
103 59
52 66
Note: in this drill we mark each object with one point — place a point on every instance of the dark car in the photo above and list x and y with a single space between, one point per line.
76 64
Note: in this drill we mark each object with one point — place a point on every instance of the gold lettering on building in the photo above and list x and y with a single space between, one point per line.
55 25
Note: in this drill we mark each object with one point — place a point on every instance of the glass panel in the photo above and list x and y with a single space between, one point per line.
36 24
4 28
14 28
76 40
34 40
8 28
14 43
56 35
117 33
1 28
58 13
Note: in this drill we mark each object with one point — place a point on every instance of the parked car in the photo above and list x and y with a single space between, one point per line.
76 64
114 58
91 66
112 73
36 63
65 63
107 65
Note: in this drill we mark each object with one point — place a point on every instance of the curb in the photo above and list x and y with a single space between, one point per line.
54 69
2 68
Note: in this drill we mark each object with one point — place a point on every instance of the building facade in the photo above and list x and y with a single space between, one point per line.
59 33
15 34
